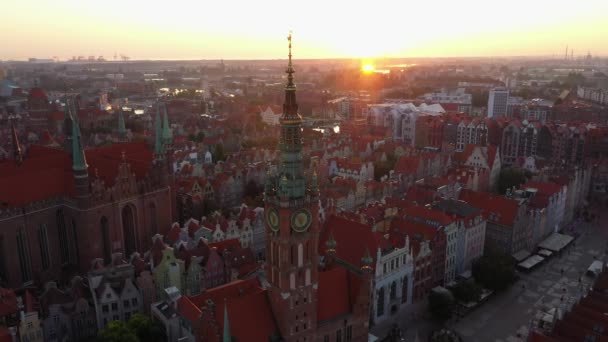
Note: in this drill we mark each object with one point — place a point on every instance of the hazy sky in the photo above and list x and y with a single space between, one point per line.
211 29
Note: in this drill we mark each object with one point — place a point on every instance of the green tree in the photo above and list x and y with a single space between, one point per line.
146 328
117 331
441 305
138 328
495 271
467 291
509 178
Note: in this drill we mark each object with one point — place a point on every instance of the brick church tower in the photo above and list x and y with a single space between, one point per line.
292 230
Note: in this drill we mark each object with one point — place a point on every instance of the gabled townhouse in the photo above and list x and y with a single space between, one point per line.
482 157
68 315
471 231
113 289
507 228
551 196
446 260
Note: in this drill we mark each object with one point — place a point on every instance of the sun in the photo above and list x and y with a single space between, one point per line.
368 68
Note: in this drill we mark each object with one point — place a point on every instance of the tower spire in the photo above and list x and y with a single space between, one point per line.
17 154
158 144
122 130
290 107
227 337
79 161
67 126
167 134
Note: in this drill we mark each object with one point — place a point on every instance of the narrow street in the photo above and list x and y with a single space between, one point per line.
507 316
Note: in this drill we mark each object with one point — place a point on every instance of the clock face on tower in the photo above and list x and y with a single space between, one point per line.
273 219
301 220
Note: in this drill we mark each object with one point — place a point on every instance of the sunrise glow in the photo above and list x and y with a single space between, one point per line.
189 29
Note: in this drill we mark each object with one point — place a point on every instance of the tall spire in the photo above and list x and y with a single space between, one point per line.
167 133
79 161
158 144
227 337
290 107
291 178
122 130
17 154
67 126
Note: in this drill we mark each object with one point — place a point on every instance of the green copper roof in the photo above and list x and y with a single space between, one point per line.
158 144
227 337
79 161
122 130
167 133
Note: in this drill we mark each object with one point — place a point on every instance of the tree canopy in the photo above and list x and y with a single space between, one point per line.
138 328
467 291
495 271
509 178
441 305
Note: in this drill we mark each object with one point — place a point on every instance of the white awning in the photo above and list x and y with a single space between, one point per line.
556 242
531 262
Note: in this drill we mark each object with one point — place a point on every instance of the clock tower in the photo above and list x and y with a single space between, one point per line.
292 229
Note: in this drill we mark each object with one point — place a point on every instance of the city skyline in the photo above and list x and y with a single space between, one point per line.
189 30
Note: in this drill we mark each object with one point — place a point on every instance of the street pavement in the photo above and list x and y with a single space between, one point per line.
506 317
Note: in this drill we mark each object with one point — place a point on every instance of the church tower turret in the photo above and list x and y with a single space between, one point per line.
67 127
80 167
292 229
17 153
122 130
158 142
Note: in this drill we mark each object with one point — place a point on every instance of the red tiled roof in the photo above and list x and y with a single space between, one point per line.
250 316
47 172
244 299
546 188
37 93
504 208
333 294
188 310
5 335
230 244
417 231
107 159
353 239
428 215
407 165
8 302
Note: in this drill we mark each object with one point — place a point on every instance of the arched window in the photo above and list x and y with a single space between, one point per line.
153 219
404 290
24 255
64 251
300 255
43 242
393 293
75 256
106 248
129 230
380 303
3 258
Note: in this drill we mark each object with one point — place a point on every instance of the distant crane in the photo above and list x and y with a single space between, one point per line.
124 58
